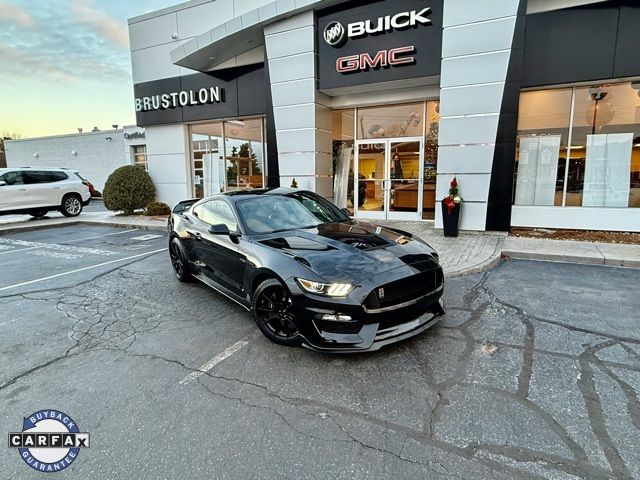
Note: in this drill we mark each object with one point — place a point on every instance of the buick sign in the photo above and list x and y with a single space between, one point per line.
335 34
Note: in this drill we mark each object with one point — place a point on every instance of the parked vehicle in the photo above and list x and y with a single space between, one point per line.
37 191
309 273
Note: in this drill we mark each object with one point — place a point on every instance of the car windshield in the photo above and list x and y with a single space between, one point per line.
269 214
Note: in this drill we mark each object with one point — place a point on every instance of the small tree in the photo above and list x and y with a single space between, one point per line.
128 188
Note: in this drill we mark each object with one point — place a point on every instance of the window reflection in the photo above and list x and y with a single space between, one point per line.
228 156
597 149
391 121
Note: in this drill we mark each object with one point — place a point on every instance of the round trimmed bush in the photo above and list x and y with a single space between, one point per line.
158 209
128 188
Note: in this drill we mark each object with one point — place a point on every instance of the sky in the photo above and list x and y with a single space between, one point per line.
65 64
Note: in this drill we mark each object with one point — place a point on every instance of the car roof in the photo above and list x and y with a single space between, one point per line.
257 192
46 169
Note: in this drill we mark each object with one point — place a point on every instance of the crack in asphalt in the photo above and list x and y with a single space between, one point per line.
106 317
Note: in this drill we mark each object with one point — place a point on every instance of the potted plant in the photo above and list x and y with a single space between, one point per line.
451 205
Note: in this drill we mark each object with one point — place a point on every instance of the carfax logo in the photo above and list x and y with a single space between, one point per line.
50 440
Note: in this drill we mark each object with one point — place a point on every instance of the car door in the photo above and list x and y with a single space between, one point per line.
13 195
224 262
40 188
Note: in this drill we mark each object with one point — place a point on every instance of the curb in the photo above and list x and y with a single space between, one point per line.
572 259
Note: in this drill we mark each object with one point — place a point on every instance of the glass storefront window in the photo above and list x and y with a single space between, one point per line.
543 135
228 155
244 153
590 158
390 121
392 175
605 161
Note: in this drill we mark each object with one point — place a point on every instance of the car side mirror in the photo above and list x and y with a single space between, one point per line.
219 229
3 183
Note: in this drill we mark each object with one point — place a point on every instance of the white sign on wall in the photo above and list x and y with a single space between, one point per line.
537 170
607 167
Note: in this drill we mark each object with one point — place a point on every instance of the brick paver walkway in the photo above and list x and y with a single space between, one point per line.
469 252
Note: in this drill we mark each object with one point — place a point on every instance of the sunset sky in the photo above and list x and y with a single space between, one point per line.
65 64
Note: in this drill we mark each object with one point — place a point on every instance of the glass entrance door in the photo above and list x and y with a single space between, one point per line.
389 177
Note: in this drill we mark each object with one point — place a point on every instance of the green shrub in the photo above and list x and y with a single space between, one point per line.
128 188
158 209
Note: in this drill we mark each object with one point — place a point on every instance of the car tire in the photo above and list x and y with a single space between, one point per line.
38 213
71 205
179 261
273 312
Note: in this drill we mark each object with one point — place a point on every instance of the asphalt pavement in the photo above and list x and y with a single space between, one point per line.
533 373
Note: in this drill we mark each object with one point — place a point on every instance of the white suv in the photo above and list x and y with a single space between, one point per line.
36 191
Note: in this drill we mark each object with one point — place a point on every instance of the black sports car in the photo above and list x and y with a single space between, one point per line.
309 273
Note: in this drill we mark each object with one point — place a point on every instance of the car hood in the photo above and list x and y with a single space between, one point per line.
353 251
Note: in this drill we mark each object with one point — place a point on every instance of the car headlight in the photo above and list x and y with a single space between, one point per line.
329 289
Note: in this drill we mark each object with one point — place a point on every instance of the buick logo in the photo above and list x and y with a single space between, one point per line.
334 33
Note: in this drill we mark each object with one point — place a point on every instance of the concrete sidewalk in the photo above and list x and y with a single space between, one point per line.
470 252
570 251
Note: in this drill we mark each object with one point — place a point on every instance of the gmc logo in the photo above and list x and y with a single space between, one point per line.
384 58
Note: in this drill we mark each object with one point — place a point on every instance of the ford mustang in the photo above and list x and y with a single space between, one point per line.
309 273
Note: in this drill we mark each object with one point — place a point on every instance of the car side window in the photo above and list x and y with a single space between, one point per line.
37 176
12 178
58 176
217 212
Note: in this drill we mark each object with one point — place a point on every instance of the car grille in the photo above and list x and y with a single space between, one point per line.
405 289
343 328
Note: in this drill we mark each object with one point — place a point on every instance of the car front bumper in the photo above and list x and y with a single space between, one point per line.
366 329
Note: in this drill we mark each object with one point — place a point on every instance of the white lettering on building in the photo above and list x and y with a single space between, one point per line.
184 98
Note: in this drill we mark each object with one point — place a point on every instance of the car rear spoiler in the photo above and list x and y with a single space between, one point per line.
184 205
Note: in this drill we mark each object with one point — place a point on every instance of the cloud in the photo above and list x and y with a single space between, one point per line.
14 14
87 13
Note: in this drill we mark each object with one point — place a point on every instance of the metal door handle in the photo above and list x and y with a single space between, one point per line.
56 188
22 189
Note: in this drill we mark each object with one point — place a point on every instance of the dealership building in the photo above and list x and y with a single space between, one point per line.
533 105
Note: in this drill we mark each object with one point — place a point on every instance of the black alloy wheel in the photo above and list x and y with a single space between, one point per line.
273 311
179 261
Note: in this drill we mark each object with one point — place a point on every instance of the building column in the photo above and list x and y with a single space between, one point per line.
301 114
169 162
477 43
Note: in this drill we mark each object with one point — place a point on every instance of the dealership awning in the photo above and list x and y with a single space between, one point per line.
239 41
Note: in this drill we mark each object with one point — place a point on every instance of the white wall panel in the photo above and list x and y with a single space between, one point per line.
295 116
472 216
196 20
152 32
153 63
467 159
478 37
291 42
616 219
457 12
474 69
472 187
292 68
293 92
166 139
465 130
169 168
472 99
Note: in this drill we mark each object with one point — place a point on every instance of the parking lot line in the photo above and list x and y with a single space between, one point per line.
219 358
68 241
8 287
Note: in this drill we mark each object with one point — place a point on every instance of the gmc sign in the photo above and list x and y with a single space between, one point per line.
392 57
